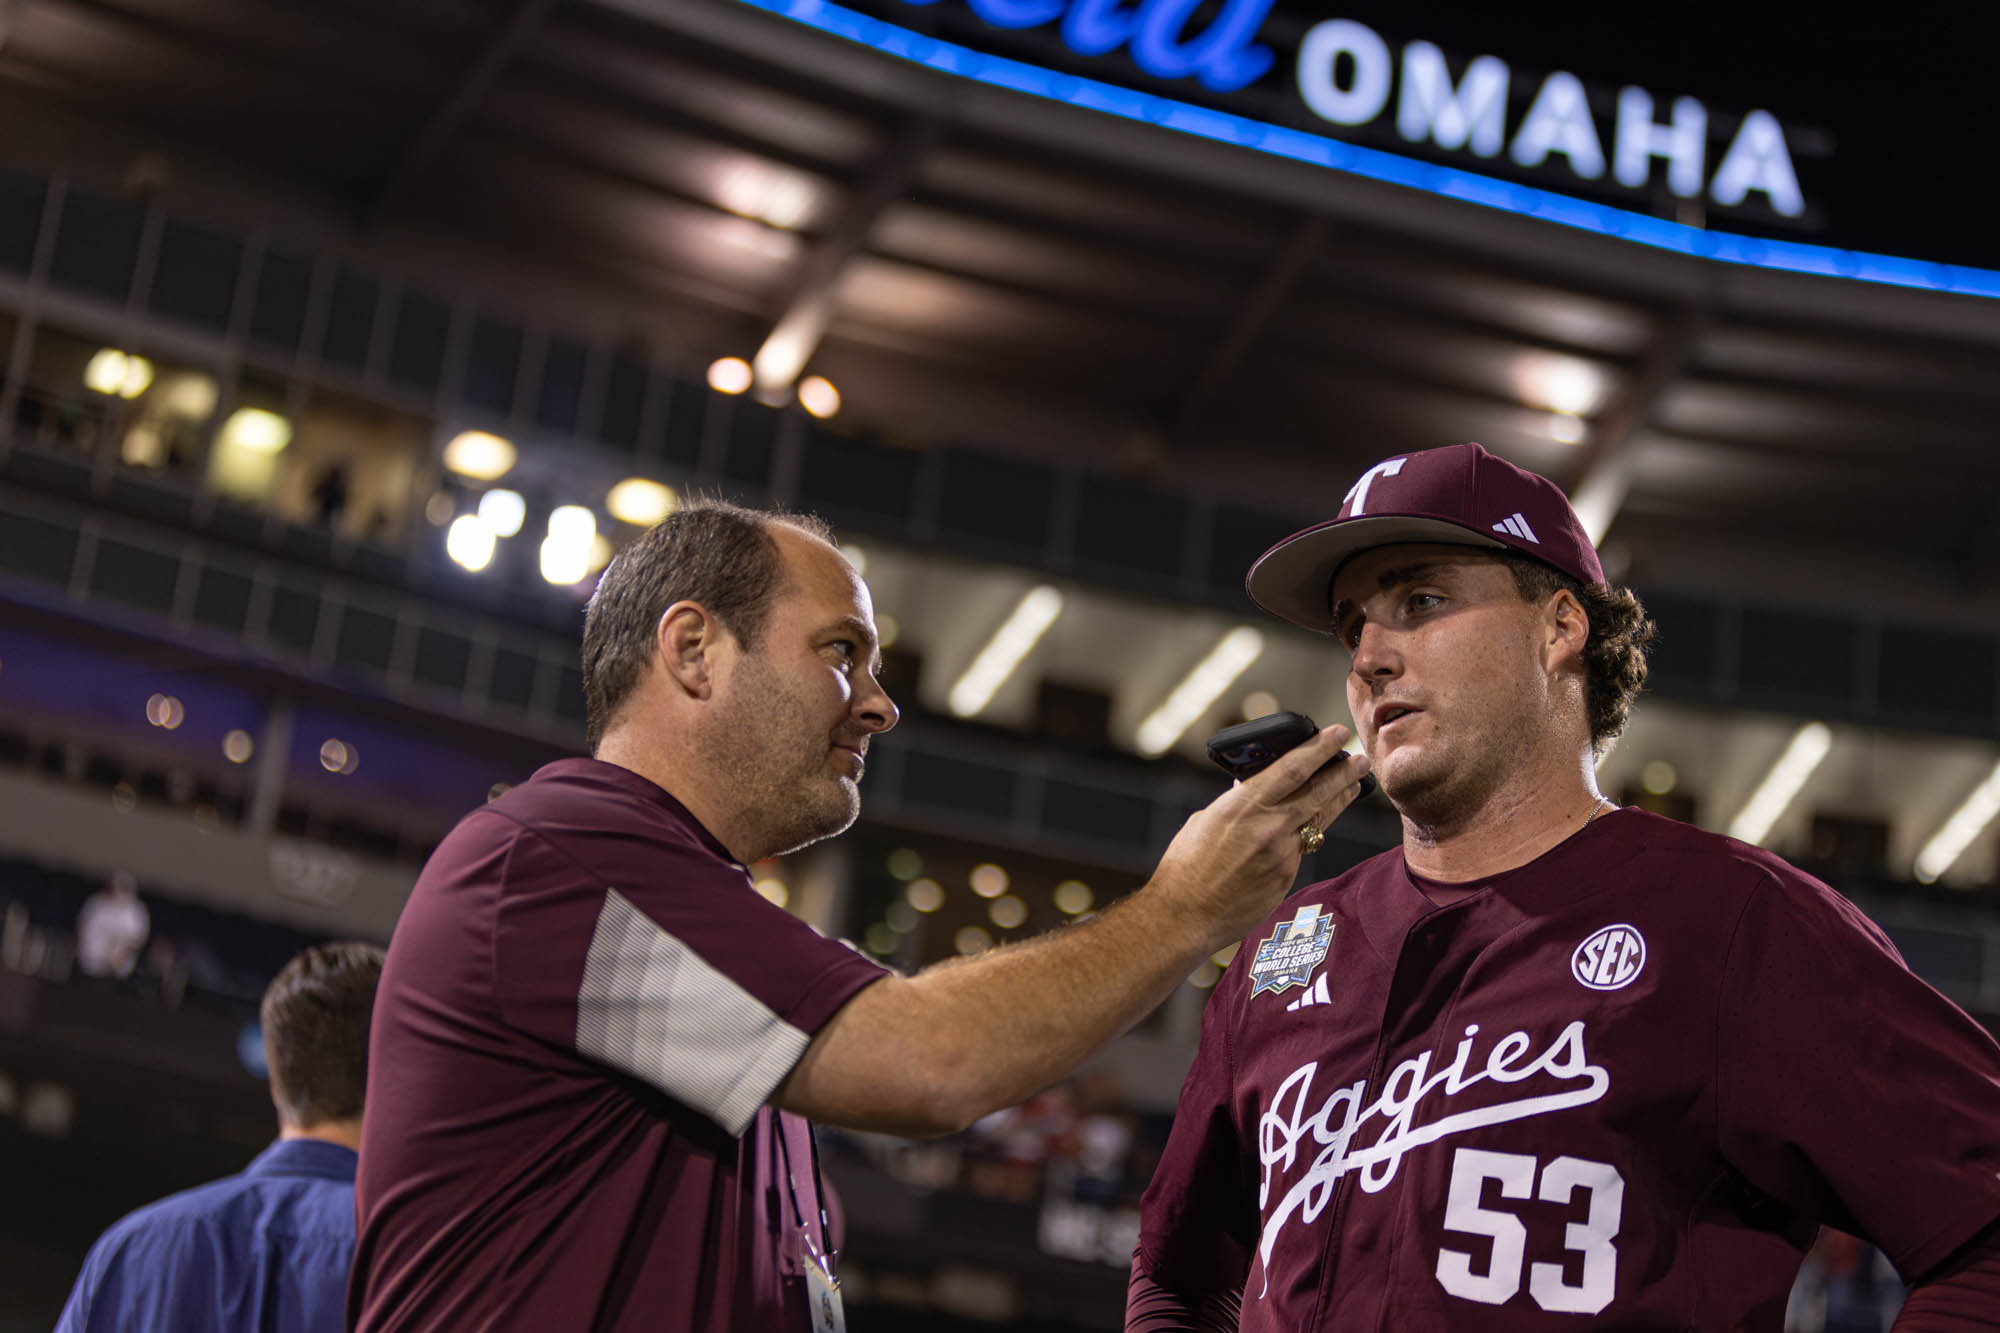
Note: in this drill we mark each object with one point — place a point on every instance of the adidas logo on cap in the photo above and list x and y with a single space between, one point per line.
1514 525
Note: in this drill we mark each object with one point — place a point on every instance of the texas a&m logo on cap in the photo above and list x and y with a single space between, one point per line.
1610 958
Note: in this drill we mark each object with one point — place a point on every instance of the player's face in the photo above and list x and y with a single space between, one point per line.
1446 678
800 707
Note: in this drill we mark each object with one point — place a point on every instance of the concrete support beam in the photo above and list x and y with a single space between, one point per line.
809 300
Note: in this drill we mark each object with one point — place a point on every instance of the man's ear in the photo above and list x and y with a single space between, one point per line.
686 640
1566 629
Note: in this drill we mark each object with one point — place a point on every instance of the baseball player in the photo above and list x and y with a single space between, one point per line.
1553 1064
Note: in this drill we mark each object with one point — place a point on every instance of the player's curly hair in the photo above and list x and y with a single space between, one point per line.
1614 655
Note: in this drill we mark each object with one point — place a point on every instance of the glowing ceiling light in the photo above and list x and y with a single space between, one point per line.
1562 384
601 551
566 551
105 372
729 374
818 396
1007 912
1023 628
1073 897
255 431
479 455
784 354
641 502
1808 746
989 880
118 374
765 193
1216 672
503 511
469 541
564 563
1966 823
572 523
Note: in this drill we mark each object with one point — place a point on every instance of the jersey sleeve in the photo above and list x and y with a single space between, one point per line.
1198 1221
1151 1308
662 962
1848 1089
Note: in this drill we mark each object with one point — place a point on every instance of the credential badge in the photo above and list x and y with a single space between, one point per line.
1295 948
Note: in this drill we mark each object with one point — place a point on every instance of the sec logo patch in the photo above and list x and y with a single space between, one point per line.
1610 958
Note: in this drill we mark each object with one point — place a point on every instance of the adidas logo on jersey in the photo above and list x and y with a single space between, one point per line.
1515 525
1317 995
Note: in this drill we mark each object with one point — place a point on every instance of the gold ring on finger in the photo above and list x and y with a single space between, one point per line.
1310 838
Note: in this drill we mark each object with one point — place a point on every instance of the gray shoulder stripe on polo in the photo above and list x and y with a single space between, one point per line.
654 1008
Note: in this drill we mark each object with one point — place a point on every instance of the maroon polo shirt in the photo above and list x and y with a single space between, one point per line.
1618 1087
584 1008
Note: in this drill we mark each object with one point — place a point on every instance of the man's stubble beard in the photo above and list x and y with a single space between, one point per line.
1454 783
767 748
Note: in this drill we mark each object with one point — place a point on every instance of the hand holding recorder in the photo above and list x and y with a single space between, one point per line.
1248 748
1234 860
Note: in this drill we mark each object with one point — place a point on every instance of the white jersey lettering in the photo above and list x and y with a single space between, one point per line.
1337 1122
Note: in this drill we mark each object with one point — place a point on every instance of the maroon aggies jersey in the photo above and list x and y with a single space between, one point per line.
1614 1088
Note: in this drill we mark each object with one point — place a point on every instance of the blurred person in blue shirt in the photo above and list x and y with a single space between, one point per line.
268 1249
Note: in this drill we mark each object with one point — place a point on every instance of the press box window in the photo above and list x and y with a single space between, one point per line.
350 467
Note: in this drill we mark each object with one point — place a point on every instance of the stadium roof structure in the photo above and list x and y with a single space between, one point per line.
982 251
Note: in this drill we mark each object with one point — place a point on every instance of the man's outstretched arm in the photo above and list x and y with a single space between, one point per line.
931 1053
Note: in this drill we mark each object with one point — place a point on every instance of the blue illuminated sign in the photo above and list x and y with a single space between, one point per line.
1224 56
1373 164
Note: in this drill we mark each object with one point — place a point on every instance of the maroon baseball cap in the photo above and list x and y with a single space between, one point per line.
1459 494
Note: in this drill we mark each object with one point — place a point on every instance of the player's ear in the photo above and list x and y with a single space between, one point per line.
685 641
1565 629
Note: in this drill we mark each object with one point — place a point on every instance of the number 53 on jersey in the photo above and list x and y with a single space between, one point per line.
1517 1176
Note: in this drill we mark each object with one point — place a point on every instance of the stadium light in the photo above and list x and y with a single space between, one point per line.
1566 428
503 511
1808 746
469 542
117 374
1966 823
729 374
566 550
1023 628
642 502
1216 672
818 396
479 455
255 431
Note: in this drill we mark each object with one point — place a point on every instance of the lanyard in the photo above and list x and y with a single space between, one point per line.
819 1188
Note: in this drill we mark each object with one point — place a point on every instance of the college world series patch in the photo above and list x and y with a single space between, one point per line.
1295 948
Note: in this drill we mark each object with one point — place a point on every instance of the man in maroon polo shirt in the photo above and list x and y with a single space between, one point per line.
1552 1064
594 1041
